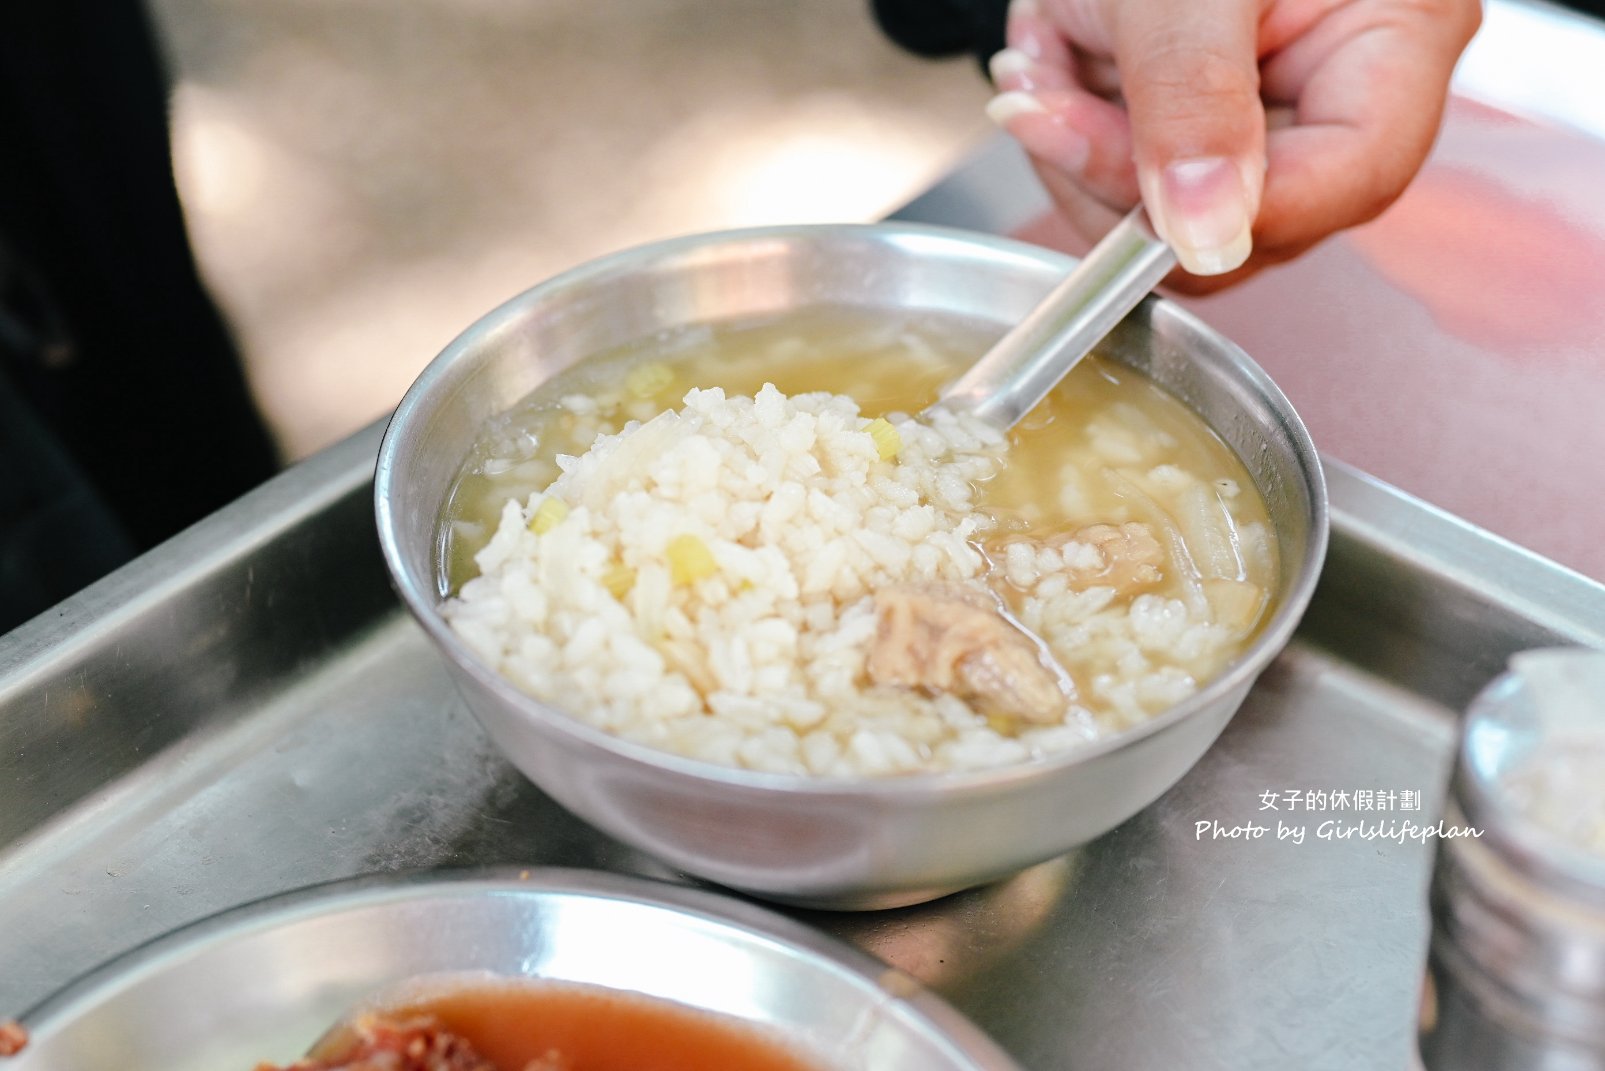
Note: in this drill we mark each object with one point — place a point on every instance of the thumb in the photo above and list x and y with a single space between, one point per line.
1190 76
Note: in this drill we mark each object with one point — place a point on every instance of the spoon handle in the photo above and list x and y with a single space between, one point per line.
1016 373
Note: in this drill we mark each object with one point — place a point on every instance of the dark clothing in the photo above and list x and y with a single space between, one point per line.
56 535
954 27
944 27
127 413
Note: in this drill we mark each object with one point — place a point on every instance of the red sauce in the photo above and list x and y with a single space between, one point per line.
513 1024
13 1037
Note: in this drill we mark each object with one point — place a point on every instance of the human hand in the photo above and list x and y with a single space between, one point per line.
1250 129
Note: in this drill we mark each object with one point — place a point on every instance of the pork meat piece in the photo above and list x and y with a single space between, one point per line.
956 639
378 1044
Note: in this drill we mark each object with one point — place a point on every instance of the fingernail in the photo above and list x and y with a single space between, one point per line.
1203 213
1009 63
1047 134
1026 30
1011 105
1029 41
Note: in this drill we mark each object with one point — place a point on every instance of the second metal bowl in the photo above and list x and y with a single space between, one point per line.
265 981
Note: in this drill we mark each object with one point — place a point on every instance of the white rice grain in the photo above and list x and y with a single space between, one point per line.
762 663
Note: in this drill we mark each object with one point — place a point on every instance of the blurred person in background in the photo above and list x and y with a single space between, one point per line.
1251 129
124 412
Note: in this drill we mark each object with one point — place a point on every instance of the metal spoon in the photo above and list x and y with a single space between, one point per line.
1025 364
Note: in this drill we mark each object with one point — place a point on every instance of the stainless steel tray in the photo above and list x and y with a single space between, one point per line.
246 710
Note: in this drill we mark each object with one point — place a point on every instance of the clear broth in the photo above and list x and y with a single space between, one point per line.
1084 456
513 1024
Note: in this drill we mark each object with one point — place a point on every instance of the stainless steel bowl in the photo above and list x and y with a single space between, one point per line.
265 981
840 844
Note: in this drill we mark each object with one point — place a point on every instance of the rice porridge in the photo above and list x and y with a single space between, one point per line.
735 543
